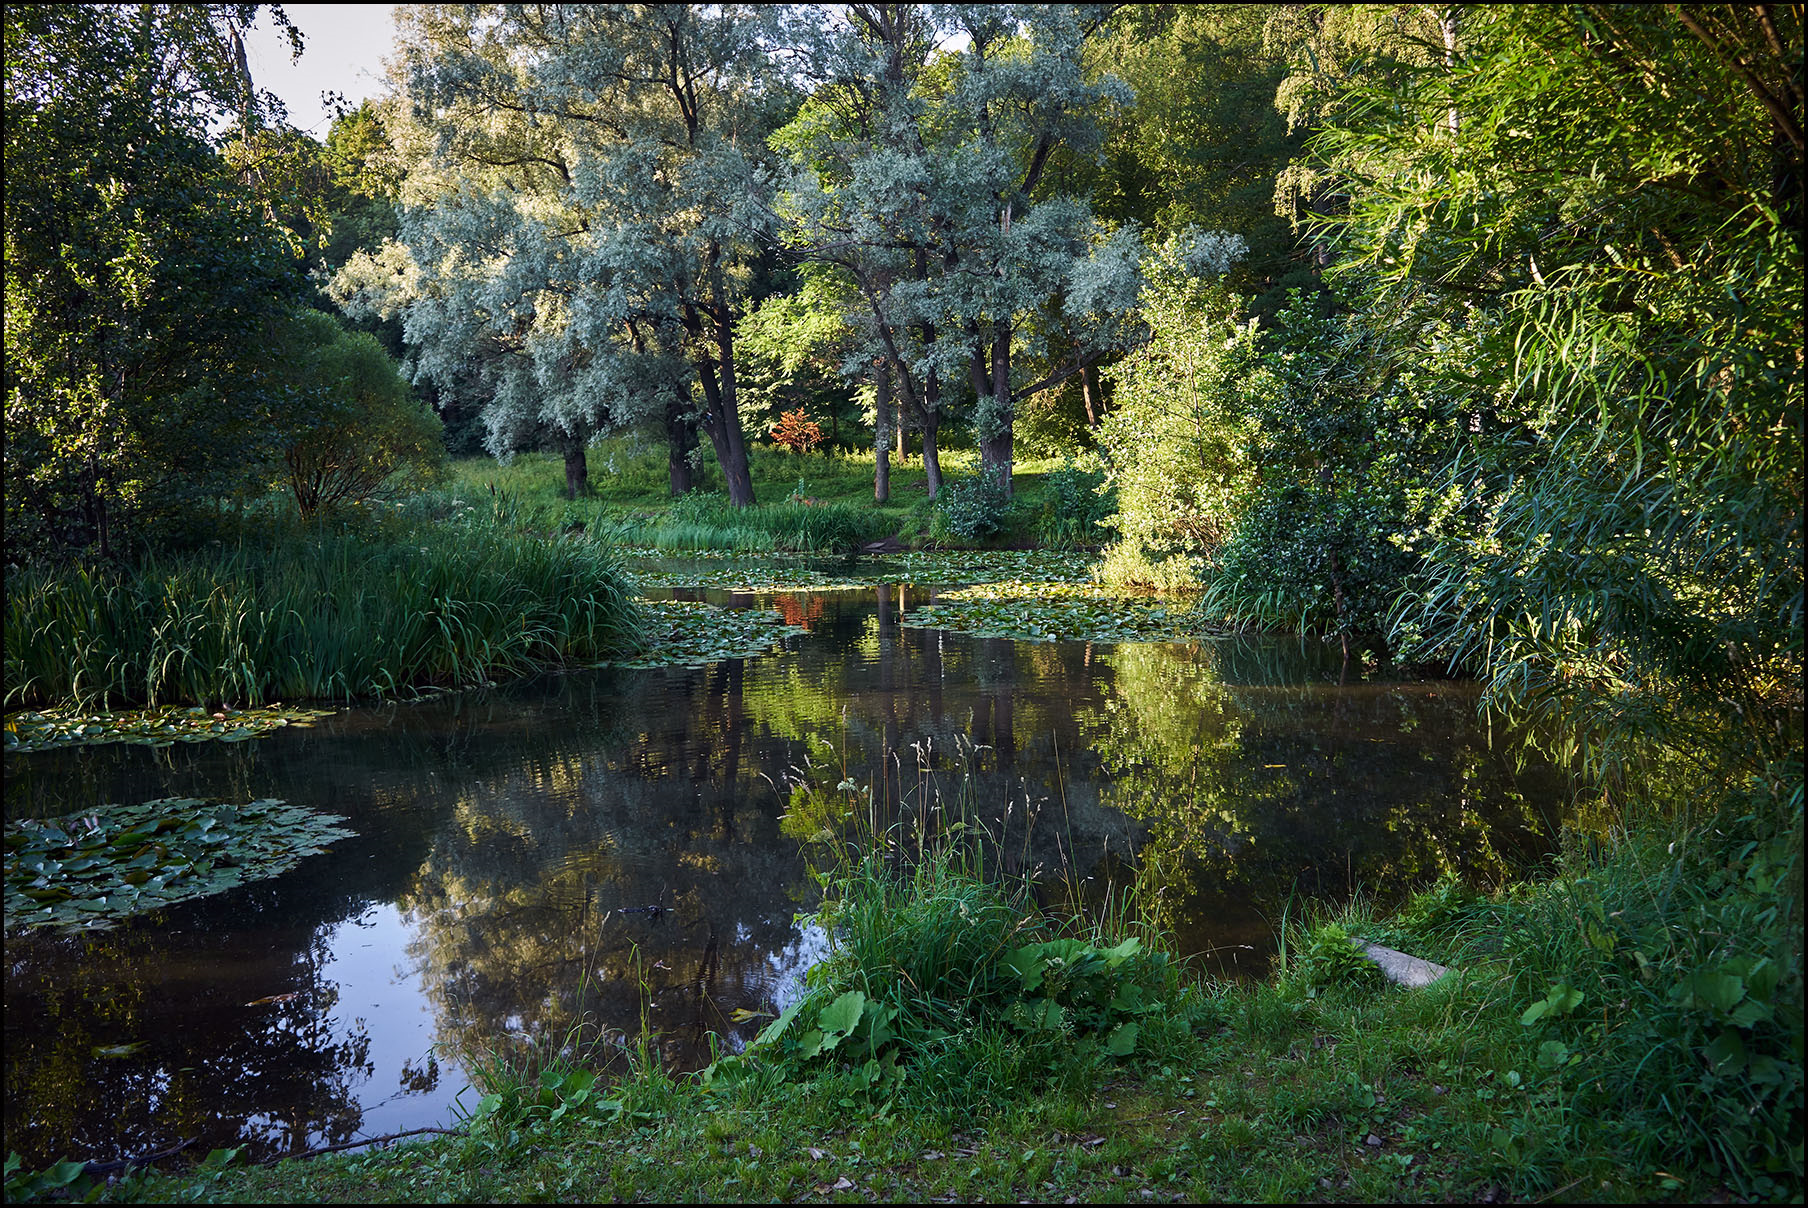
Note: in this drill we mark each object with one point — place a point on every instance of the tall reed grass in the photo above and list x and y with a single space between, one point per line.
311 615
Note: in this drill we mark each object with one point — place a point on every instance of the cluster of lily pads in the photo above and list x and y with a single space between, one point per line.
746 576
87 871
45 729
929 568
688 633
1056 612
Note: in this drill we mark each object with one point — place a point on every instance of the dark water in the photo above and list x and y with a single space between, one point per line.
508 841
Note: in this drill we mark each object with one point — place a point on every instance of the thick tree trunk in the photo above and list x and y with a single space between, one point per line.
577 466
724 428
680 438
731 445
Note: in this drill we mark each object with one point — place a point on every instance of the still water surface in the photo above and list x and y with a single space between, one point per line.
511 840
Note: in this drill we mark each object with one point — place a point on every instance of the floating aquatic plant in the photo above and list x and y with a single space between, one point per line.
87 871
687 633
1050 612
42 730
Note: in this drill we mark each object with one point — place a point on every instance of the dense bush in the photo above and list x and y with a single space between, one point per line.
1076 503
973 509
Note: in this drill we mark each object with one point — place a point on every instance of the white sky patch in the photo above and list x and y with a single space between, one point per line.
343 47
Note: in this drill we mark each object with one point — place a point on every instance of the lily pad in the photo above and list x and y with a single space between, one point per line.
86 871
44 730
1054 611
687 633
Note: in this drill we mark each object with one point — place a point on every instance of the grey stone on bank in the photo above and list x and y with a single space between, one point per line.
1401 969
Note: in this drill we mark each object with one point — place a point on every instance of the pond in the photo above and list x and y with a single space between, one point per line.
631 847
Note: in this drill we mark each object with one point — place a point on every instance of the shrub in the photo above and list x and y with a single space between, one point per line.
973 509
1076 502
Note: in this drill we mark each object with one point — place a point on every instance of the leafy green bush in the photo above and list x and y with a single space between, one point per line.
971 510
1075 505
945 988
1329 957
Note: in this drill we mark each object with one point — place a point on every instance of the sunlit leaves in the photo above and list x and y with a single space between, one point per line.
87 871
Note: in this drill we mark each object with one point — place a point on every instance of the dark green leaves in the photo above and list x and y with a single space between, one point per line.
87 871
50 728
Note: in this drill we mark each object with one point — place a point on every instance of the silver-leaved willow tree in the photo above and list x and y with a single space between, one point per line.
921 172
580 216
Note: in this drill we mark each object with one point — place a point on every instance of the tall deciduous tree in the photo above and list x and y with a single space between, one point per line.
138 272
579 195
1621 186
923 175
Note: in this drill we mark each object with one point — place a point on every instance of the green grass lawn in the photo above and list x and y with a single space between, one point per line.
630 497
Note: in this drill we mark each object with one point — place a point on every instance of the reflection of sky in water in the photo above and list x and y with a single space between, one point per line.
510 840
380 994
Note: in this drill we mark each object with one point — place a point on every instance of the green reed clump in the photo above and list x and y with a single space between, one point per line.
308 614
700 521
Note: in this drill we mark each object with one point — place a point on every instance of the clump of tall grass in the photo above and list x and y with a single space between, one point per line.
948 986
313 615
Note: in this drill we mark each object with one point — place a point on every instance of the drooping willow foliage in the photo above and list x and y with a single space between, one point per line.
1619 188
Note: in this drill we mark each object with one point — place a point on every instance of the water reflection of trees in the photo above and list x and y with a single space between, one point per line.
208 1065
516 826
1294 786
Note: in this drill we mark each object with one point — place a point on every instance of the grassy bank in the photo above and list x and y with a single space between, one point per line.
1627 1029
817 502
290 612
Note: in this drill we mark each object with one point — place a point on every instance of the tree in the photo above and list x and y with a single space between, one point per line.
579 194
139 274
350 421
1621 188
922 177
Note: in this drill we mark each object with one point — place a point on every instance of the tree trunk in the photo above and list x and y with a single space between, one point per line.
724 428
681 438
995 450
1089 394
932 462
883 422
731 446
577 466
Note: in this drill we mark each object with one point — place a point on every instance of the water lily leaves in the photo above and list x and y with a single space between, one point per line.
87 871
686 633
159 727
1050 612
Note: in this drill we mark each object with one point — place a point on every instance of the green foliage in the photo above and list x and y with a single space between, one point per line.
974 509
944 988
89 870
1327 957
308 614
139 278
1624 558
351 424
1177 441
1076 503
